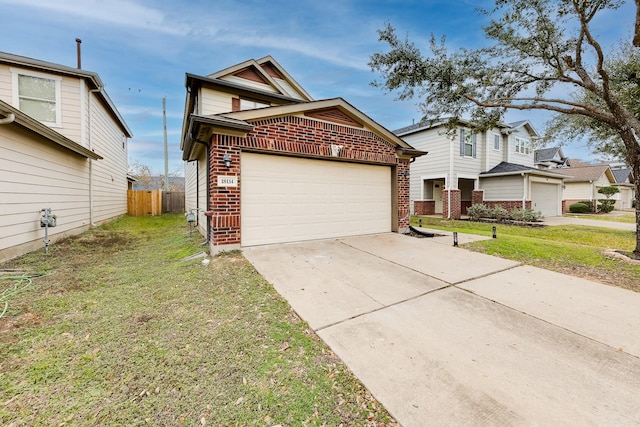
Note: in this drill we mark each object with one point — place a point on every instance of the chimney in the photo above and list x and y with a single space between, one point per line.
78 42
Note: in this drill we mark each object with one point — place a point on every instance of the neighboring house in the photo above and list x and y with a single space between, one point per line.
583 183
268 164
550 158
625 183
63 145
494 167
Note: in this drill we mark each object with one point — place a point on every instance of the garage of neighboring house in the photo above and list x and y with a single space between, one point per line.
515 186
299 172
546 198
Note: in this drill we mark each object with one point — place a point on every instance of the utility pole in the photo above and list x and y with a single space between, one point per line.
166 153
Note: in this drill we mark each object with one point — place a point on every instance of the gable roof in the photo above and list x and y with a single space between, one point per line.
587 173
506 168
549 155
32 125
505 128
239 123
525 124
92 78
309 108
622 176
265 70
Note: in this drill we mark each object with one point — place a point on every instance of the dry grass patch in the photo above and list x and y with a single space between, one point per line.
119 331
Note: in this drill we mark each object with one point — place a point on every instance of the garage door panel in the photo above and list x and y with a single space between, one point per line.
291 199
545 198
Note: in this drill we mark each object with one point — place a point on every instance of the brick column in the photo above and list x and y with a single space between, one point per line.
402 169
224 200
456 208
477 197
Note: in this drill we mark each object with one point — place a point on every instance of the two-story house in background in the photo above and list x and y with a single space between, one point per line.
63 146
266 163
465 167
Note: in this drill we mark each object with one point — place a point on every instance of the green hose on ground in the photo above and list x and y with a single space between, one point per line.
21 284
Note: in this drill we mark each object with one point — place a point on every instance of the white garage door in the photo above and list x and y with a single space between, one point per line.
287 199
544 198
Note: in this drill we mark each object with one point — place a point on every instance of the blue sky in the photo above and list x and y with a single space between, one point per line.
142 49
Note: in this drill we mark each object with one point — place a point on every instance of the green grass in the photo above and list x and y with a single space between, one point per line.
625 218
119 331
572 249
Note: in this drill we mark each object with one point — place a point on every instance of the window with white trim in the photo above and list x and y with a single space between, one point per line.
246 104
496 142
38 95
522 146
467 143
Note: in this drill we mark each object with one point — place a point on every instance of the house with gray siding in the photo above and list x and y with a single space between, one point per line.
466 166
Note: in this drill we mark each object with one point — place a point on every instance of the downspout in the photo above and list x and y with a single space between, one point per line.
207 157
8 119
450 179
524 190
90 160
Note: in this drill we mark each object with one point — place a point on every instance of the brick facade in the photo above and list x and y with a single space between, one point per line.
296 136
424 207
456 211
477 197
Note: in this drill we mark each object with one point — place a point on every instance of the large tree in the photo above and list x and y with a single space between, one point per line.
541 55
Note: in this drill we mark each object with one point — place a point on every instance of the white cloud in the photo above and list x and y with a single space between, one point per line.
119 12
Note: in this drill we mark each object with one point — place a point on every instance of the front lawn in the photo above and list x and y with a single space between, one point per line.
571 249
115 329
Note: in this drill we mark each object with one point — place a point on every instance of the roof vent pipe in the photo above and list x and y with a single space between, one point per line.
79 54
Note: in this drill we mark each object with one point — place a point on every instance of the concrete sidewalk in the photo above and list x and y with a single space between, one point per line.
587 221
445 336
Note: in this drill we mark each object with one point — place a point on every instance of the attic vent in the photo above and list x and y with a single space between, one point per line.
333 115
250 74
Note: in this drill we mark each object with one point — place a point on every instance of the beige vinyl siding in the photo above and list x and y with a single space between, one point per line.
250 84
37 174
518 158
71 117
503 187
190 182
494 157
196 190
578 190
436 163
469 165
6 82
212 102
110 173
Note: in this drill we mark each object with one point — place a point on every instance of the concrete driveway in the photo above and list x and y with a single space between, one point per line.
445 336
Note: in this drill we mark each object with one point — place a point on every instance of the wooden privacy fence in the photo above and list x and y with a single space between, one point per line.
154 202
173 202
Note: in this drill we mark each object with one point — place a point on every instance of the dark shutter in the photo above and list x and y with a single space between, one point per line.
462 142
235 104
473 143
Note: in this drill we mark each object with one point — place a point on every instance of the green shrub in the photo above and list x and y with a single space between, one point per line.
478 211
525 215
579 207
589 204
499 213
606 205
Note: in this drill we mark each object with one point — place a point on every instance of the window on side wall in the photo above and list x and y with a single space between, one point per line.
38 95
496 142
467 143
239 104
522 146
